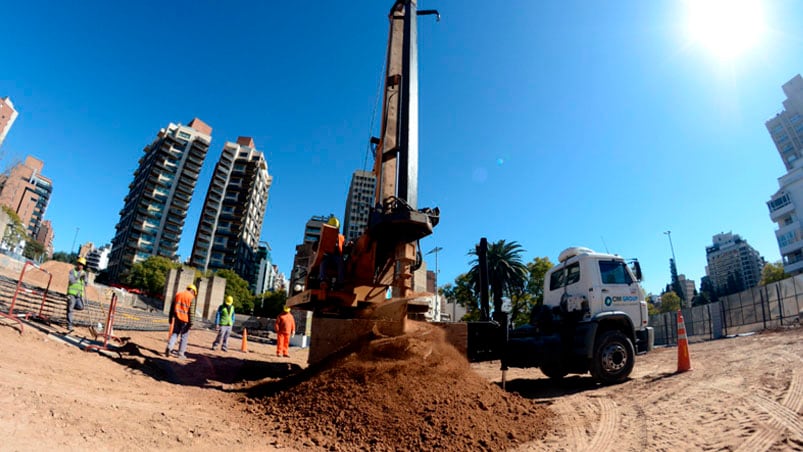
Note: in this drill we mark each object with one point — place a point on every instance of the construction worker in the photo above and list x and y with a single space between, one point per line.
76 291
285 327
333 258
224 320
181 319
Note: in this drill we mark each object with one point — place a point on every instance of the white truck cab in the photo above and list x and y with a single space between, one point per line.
590 282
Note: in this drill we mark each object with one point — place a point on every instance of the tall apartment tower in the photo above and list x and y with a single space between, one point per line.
733 265
231 220
7 117
362 193
27 192
153 213
786 205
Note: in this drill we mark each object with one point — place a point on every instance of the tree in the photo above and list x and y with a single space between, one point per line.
506 273
462 293
34 250
63 256
151 274
270 304
14 234
532 295
670 302
238 288
772 271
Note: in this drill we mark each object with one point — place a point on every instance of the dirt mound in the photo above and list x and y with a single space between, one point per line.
412 392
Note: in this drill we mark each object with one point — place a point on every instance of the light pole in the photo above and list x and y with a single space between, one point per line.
437 250
669 234
75 237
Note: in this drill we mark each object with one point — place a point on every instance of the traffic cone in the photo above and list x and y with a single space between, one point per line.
244 347
684 363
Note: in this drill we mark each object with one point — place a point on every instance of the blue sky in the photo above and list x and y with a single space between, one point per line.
550 123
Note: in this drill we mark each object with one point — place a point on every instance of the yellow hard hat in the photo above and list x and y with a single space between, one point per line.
81 261
287 309
193 288
229 299
333 221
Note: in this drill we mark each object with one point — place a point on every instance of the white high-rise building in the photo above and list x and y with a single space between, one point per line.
786 130
231 219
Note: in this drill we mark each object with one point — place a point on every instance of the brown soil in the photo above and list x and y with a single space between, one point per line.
413 392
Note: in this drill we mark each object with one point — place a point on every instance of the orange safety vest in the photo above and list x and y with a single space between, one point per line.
285 323
183 303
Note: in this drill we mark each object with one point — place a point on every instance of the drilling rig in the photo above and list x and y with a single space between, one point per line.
365 288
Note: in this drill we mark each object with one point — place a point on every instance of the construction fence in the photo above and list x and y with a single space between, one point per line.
775 305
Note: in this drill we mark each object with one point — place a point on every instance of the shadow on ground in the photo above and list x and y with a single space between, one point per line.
202 370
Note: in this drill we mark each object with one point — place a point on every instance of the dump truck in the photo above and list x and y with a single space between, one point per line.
593 319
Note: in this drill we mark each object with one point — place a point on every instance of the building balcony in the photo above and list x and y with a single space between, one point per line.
779 213
791 248
794 267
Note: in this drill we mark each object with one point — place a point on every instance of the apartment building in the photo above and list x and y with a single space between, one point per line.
27 192
154 210
230 227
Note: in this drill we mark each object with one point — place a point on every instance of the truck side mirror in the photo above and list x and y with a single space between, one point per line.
637 270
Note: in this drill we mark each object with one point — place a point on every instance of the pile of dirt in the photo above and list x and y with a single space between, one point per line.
412 392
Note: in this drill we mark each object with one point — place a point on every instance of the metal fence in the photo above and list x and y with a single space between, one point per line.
772 306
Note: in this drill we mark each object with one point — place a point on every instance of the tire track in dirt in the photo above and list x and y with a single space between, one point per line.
783 417
606 435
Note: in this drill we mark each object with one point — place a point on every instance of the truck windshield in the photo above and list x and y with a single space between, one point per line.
614 272
565 276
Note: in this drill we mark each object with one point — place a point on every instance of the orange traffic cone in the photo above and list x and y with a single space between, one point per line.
684 363
244 347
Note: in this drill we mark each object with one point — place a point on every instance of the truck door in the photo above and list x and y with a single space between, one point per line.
618 289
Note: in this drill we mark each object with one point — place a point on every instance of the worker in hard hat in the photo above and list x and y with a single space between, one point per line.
285 327
333 261
76 291
181 319
224 320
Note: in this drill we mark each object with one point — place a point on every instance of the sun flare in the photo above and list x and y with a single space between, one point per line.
725 28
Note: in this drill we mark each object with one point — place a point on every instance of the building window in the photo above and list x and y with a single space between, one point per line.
185 135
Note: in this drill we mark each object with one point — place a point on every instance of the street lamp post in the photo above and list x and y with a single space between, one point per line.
669 234
437 250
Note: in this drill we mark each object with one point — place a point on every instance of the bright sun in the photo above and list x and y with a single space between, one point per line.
725 28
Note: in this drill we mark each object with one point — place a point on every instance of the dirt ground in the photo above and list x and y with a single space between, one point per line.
409 393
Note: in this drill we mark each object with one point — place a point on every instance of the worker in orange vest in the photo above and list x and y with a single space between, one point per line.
285 327
181 319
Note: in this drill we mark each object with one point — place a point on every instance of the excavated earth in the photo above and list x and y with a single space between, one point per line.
412 392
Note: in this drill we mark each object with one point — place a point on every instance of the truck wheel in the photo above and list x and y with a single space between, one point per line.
553 371
613 358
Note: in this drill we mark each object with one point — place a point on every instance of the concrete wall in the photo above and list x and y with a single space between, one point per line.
210 291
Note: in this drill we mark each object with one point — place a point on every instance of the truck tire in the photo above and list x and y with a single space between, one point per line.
613 358
554 371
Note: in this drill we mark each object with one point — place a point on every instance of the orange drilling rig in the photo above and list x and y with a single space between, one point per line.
365 288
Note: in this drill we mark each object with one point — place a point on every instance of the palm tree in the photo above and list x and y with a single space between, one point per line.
506 272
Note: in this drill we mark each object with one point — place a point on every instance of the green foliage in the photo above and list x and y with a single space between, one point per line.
773 271
15 231
34 250
523 302
63 256
270 304
462 293
507 274
670 302
238 288
151 274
